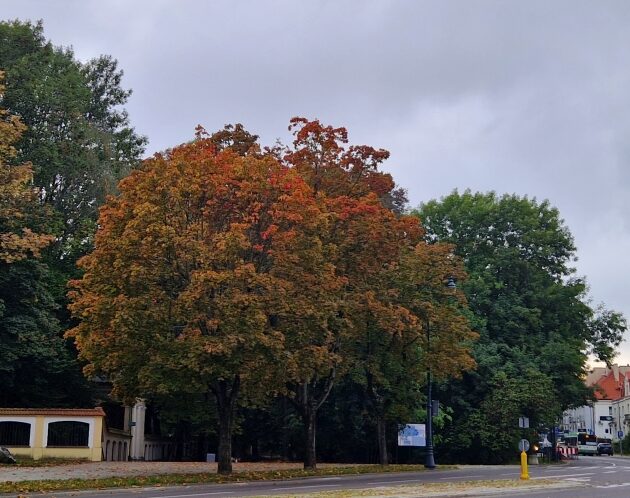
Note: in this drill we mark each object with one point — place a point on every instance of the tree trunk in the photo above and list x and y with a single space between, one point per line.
310 457
308 405
226 394
225 442
382 439
285 432
378 407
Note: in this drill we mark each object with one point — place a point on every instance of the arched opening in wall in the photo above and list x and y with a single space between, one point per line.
107 454
114 444
125 453
120 447
68 433
15 434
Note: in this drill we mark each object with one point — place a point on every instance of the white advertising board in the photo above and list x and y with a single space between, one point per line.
412 435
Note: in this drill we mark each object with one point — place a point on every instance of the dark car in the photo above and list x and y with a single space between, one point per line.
604 449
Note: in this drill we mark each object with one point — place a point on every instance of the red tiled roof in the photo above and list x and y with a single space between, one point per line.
63 412
608 388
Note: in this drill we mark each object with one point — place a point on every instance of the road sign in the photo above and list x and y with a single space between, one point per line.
435 407
412 435
523 445
620 434
523 422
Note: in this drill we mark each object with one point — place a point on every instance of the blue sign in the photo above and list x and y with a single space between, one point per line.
620 434
412 435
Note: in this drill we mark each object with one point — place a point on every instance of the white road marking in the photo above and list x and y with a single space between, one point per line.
463 477
389 482
195 494
306 487
622 485
567 475
573 468
610 472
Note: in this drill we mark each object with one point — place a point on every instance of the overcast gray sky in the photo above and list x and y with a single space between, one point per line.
528 97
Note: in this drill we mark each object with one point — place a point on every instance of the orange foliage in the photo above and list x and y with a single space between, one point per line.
218 263
194 260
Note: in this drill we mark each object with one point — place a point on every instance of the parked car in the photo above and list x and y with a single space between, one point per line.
604 449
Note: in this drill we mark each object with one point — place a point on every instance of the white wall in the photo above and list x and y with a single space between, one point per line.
587 418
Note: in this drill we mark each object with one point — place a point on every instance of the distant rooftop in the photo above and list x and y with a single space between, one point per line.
59 412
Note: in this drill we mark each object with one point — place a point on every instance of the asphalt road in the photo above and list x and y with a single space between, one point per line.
597 476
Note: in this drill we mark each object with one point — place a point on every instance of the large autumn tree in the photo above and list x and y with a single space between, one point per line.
387 268
226 271
197 262
536 324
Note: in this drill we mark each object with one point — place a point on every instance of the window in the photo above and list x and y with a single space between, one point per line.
15 434
68 433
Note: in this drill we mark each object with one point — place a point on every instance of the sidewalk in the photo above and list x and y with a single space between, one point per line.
95 470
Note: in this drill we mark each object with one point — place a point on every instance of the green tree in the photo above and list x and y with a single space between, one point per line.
78 138
78 143
508 399
529 307
36 367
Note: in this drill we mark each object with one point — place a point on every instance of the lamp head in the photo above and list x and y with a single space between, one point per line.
451 284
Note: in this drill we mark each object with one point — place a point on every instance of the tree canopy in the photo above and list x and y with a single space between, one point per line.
66 142
78 137
223 270
36 367
535 322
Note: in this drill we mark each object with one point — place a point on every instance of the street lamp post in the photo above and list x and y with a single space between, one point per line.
429 461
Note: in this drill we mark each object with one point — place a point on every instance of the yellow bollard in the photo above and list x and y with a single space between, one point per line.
524 474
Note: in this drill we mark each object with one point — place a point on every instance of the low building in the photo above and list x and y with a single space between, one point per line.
621 409
129 435
595 418
610 412
53 432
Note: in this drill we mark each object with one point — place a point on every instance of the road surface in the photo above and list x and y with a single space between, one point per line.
597 476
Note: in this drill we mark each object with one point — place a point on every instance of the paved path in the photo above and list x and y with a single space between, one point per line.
94 470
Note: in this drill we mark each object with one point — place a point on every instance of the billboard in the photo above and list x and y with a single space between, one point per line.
412 435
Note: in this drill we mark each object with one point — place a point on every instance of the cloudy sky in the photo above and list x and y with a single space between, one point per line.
528 97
